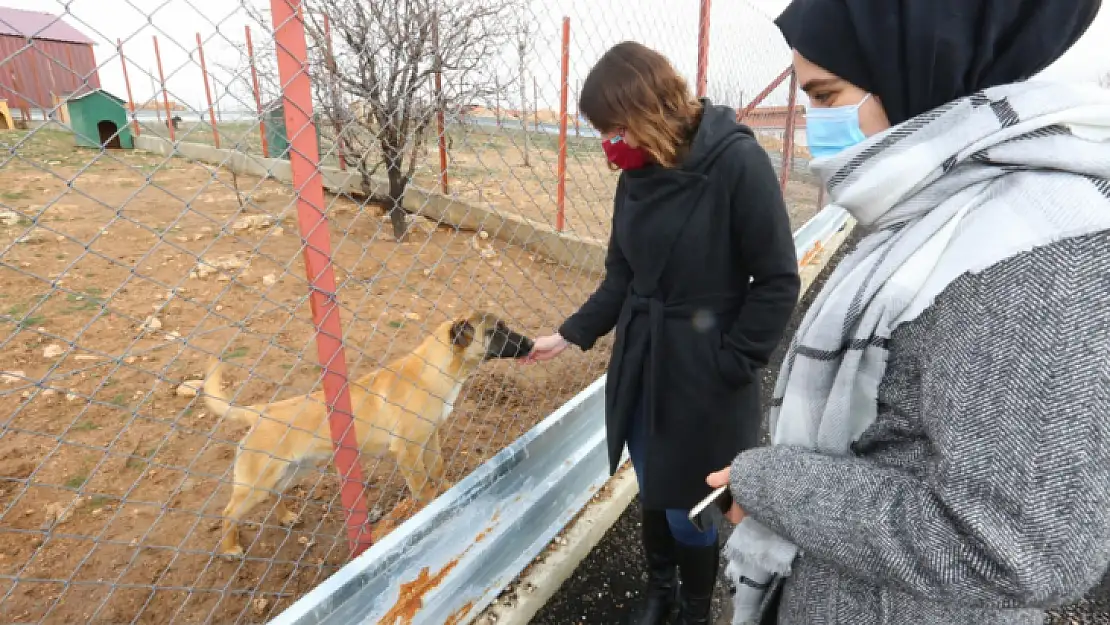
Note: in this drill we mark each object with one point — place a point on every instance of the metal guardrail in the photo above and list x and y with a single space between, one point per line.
447 563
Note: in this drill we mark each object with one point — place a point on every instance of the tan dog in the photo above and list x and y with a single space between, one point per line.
399 408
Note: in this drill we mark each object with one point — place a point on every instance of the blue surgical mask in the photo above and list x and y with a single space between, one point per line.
829 131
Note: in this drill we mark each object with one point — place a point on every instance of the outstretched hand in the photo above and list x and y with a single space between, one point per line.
546 348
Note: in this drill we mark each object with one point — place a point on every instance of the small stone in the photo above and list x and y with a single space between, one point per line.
56 513
259 605
49 392
251 221
9 218
86 357
130 360
269 279
12 377
53 351
151 323
483 234
411 316
71 397
30 239
189 388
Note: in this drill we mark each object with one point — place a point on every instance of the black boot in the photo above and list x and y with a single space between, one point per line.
698 569
662 590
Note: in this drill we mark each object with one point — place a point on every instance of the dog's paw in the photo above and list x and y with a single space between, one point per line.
233 552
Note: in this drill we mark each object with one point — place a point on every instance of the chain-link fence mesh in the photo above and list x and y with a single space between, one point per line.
305 191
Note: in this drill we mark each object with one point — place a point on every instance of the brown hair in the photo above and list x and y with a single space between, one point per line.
635 87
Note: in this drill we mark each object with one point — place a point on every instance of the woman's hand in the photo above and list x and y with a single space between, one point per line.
720 478
546 348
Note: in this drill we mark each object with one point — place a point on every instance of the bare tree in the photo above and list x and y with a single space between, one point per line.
523 36
377 84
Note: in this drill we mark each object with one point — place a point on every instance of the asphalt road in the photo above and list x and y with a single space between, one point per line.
607 585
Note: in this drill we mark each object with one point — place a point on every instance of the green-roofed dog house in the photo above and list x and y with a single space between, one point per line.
99 120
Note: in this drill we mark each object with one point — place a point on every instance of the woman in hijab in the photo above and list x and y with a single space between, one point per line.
941 425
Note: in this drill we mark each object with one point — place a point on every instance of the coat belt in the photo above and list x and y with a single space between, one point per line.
658 312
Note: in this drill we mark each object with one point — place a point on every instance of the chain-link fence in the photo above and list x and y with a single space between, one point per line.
309 192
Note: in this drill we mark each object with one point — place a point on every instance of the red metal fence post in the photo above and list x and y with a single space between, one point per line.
788 132
338 128
703 49
208 94
165 96
127 84
304 160
744 112
440 121
257 94
564 88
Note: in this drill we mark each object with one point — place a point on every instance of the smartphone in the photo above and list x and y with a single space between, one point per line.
702 516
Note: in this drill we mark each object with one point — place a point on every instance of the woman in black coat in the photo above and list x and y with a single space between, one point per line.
700 280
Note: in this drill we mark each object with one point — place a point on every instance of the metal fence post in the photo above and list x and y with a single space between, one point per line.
165 96
564 87
208 94
127 84
304 159
257 93
788 132
703 49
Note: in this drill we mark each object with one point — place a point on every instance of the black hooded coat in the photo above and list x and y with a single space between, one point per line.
701 278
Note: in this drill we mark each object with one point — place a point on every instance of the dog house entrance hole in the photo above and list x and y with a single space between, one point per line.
109 135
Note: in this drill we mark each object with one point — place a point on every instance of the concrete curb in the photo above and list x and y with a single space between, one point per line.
566 248
527 595
532 590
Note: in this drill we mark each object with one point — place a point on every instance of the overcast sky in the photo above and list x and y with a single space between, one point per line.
746 50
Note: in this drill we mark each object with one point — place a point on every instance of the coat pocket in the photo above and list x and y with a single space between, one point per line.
732 366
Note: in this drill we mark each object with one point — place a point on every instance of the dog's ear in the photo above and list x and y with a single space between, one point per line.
462 333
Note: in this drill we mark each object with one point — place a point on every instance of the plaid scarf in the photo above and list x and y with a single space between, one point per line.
952 191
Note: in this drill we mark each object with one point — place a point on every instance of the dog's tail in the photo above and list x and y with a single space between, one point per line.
218 401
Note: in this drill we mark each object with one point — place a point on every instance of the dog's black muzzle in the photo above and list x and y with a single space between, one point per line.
508 344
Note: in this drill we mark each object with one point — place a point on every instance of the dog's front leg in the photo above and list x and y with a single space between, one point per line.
433 461
410 461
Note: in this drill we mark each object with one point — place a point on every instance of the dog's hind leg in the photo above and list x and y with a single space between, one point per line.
285 516
255 478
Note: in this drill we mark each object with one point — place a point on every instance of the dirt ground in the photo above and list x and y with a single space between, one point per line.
122 274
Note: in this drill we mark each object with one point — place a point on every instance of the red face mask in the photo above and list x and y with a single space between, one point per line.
623 155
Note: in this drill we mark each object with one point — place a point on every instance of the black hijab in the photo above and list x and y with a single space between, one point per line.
918 54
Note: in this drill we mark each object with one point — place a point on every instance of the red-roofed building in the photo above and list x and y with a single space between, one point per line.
774 117
42 56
